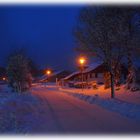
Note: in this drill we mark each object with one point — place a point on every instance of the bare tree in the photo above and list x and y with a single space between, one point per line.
131 42
98 32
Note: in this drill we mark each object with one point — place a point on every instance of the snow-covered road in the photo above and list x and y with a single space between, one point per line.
66 114
50 111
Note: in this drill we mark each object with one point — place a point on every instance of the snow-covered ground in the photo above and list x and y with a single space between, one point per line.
15 111
122 93
125 102
48 110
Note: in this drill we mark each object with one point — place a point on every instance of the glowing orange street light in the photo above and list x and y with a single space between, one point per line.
3 78
48 72
82 60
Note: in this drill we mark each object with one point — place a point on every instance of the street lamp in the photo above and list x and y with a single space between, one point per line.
82 62
48 73
3 78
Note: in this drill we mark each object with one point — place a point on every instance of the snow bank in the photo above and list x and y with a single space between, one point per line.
126 109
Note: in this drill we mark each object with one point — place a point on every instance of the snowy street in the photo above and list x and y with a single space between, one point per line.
50 111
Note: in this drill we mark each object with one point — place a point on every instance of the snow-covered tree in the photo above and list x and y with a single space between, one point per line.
98 32
112 34
18 73
130 40
132 80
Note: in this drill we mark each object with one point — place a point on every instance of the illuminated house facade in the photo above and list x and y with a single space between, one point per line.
92 75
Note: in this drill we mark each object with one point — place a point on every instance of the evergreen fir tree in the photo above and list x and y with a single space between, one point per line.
19 76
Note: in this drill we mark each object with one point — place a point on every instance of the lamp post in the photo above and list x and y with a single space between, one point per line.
82 61
48 73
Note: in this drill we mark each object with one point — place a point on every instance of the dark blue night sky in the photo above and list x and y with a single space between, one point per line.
45 31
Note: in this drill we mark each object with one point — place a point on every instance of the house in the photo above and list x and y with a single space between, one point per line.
55 76
92 76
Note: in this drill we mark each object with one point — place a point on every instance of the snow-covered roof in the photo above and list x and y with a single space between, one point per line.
55 73
44 77
69 76
90 68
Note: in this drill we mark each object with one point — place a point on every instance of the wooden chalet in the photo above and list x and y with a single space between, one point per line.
93 75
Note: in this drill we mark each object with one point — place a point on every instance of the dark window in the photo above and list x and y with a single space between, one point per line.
90 75
96 75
